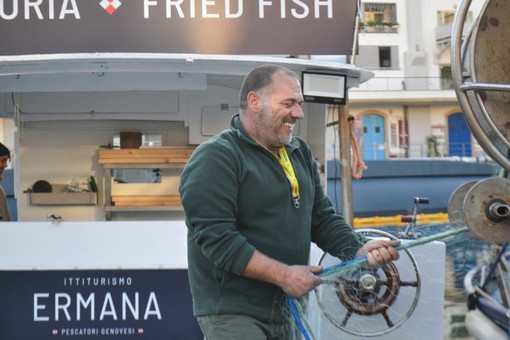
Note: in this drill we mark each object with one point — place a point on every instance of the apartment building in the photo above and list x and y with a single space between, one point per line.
409 108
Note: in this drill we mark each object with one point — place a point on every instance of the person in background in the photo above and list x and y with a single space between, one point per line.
5 156
254 202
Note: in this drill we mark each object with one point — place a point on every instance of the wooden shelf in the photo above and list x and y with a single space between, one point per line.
111 209
144 158
142 166
59 197
146 200
167 155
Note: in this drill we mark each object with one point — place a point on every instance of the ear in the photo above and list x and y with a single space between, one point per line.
254 102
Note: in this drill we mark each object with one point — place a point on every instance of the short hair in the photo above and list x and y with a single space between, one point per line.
258 79
4 151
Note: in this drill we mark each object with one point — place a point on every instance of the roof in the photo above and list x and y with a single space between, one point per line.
30 73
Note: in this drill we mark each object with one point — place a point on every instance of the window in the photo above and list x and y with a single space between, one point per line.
446 78
378 57
380 13
445 17
384 56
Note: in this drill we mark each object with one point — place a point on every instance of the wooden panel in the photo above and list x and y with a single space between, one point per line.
168 186
146 200
59 197
163 155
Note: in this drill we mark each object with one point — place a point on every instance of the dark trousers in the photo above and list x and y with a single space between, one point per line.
242 327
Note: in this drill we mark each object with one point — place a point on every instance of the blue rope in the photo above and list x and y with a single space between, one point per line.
291 300
296 316
352 262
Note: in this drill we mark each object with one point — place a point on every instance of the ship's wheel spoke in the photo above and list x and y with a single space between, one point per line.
387 318
346 318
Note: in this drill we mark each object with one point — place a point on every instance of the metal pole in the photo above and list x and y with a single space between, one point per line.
344 136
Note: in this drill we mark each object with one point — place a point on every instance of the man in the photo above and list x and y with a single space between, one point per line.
254 202
5 156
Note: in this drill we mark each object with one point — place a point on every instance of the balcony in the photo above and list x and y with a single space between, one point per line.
373 27
406 84
444 32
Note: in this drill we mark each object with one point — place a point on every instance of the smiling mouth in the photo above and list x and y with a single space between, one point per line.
289 125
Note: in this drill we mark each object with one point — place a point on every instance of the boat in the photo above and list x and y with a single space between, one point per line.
388 187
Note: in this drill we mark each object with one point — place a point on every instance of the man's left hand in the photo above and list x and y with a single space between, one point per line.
379 252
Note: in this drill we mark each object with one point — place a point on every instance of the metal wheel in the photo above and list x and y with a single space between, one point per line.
362 293
487 209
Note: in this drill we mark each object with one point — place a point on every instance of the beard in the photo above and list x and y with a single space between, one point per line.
272 131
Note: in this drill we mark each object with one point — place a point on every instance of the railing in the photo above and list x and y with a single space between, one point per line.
405 84
424 150
379 29
444 32
421 150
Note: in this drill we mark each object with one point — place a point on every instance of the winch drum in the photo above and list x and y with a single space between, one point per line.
481 76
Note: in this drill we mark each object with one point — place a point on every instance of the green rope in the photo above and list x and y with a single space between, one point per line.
342 267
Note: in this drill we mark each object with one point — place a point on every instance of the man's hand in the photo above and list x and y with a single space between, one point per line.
379 252
295 281
299 280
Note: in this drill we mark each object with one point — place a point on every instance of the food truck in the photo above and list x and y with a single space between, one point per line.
102 102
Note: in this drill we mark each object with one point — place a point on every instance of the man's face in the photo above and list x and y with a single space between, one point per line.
3 163
281 109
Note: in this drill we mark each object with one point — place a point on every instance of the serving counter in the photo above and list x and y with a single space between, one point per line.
107 279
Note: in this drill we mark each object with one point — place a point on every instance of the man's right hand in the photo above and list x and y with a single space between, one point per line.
299 280
295 281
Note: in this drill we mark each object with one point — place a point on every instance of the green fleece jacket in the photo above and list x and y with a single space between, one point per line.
237 198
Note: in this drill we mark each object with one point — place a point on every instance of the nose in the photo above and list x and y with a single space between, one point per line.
297 112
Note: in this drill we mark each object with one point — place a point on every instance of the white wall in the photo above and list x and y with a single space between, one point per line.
92 245
419 129
417 25
7 129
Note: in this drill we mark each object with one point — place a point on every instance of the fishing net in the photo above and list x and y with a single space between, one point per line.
420 296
